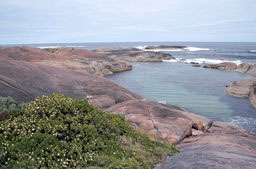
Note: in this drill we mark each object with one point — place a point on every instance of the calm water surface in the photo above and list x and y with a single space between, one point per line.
197 89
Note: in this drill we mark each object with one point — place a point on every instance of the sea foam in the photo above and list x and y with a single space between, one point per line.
243 122
171 60
191 49
208 61
252 51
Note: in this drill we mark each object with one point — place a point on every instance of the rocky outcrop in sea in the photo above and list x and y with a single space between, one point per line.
243 89
243 68
134 54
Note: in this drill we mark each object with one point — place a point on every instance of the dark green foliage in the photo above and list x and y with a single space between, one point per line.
59 131
7 106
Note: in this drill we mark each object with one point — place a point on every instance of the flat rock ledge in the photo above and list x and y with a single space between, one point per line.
224 146
243 89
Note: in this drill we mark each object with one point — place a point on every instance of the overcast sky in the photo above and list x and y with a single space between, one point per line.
63 21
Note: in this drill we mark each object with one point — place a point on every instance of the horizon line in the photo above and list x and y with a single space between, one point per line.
127 42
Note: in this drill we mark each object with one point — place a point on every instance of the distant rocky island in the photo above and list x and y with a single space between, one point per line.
165 47
29 72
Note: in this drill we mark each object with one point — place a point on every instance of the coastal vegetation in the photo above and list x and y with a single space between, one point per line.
7 106
63 132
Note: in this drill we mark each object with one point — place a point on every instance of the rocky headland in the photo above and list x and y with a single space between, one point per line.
28 72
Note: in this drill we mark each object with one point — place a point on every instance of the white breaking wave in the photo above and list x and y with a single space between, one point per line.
191 49
252 51
162 102
171 60
140 47
208 61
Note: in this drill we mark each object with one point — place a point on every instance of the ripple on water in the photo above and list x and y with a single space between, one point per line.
245 122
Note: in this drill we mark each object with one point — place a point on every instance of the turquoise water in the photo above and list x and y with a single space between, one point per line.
197 89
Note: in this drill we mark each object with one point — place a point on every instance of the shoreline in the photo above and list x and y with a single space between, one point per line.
172 123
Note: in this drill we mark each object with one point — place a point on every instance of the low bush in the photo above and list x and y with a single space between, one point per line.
8 106
59 131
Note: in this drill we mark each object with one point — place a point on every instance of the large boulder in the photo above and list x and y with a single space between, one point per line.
252 69
252 96
243 68
243 89
223 147
240 88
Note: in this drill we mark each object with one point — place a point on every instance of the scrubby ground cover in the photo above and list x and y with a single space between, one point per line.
7 106
58 131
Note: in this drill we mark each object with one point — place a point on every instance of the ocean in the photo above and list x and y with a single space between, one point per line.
199 90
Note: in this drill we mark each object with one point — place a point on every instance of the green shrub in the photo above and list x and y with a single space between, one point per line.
59 131
7 106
